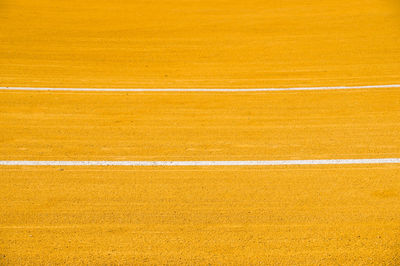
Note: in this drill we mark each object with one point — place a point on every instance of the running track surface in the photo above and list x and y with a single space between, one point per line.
198 214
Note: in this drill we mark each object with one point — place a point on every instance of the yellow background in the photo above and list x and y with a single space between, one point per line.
199 43
197 215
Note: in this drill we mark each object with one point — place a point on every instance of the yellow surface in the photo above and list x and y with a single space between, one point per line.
200 126
197 215
239 215
199 43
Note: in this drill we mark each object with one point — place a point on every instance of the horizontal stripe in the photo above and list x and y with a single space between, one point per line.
202 89
203 163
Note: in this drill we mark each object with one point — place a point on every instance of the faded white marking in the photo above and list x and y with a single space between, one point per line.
201 89
202 163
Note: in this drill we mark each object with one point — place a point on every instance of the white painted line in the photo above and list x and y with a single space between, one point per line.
203 90
203 163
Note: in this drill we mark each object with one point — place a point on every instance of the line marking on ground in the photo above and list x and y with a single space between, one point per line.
203 163
200 89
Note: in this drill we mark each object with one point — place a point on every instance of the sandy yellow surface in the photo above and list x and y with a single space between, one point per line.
199 43
175 215
198 215
200 126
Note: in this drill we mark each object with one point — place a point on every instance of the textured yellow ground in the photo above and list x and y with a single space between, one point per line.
200 126
199 43
198 215
188 215
239 215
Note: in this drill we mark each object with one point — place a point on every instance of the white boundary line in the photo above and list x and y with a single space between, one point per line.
202 163
200 89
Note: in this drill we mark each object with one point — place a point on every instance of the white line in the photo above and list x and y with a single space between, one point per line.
202 163
200 89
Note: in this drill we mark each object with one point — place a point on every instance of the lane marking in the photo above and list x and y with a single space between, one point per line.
202 163
203 90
